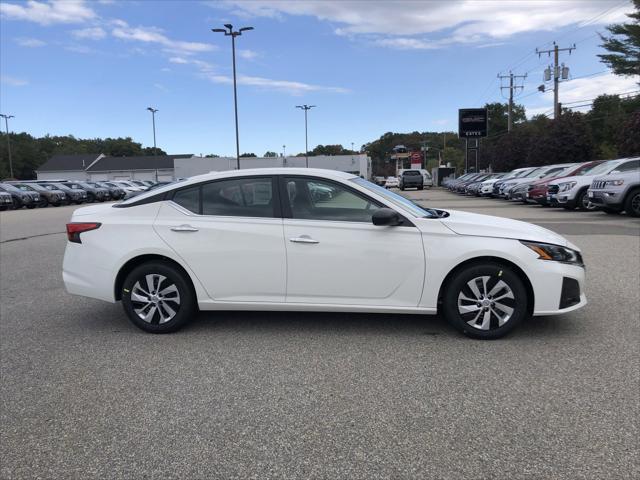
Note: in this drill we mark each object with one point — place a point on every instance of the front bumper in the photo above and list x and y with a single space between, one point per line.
605 198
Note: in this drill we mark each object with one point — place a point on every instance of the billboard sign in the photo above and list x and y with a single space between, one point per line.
472 122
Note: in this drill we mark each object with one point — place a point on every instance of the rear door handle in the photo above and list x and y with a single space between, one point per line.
184 228
303 239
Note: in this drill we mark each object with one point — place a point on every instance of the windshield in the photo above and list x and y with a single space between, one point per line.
396 199
9 188
554 172
59 186
35 186
604 167
586 168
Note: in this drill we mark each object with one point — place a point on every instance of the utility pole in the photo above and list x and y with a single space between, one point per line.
558 72
6 124
306 108
512 86
229 32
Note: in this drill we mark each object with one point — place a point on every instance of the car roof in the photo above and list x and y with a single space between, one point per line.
318 172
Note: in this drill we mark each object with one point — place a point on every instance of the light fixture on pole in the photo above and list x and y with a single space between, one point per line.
153 120
6 124
306 108
229 32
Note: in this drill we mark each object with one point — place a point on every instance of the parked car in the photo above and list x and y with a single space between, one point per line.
379 181
411 179
509 188
473 188
188 245
6 201
518 173
617 192
571 192
520 190
75 195
115 192
139 183
94 193
130 189
20 198
47 197
537 191
391 182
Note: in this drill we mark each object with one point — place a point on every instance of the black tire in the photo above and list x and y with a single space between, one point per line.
90 198
458 285
420 188
632 203
402 188
31 207
582 202
43 203
184 309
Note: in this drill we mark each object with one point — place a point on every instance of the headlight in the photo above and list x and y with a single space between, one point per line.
565 187
616 183
556 253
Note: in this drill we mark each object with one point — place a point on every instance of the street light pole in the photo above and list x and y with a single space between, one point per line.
6 124
306 108
229 32
153 120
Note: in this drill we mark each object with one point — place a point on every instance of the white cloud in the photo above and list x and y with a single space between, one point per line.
161 87
247 54
155 35
286 86
92 33
79 49
30 42
13 81
462 21
48 13
583 90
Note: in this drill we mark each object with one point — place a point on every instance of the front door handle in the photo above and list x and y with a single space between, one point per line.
184 228
303 239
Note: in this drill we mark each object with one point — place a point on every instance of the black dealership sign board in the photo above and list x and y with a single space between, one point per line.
472 122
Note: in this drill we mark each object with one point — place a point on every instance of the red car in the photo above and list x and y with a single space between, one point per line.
538 190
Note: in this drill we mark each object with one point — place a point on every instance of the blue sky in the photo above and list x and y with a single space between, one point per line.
90 68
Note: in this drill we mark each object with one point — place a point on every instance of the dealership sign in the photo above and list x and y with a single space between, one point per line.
472 122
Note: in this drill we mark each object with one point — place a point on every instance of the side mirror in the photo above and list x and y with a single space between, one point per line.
386 217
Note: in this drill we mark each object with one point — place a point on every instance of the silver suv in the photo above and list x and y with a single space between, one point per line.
618 191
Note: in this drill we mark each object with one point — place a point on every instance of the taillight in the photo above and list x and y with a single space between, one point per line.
75 229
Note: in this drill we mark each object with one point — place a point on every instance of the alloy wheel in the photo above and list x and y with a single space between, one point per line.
486 302
155 299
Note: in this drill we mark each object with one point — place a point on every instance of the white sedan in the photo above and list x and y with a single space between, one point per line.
264 239
392 182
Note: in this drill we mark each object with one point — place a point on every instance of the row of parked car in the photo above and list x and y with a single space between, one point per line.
612 186
42 193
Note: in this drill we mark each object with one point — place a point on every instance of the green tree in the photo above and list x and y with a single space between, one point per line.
623 45
499 117
270 154
628 139
247 155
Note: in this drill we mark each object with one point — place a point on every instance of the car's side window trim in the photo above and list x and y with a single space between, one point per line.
286 207
275 200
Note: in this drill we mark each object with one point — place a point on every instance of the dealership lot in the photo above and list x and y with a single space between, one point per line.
236 395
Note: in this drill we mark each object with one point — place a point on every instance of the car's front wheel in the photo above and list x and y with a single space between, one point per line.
485 300
158 298
632 203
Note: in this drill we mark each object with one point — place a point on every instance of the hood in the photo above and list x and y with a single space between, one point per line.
474 224
580 179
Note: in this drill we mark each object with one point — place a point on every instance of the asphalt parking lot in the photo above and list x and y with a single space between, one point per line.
84 394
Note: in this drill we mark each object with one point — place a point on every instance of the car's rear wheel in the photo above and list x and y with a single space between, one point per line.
632 203
43 202
158 298
485 300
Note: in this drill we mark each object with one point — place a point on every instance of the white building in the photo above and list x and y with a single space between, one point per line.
98 167
356 164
